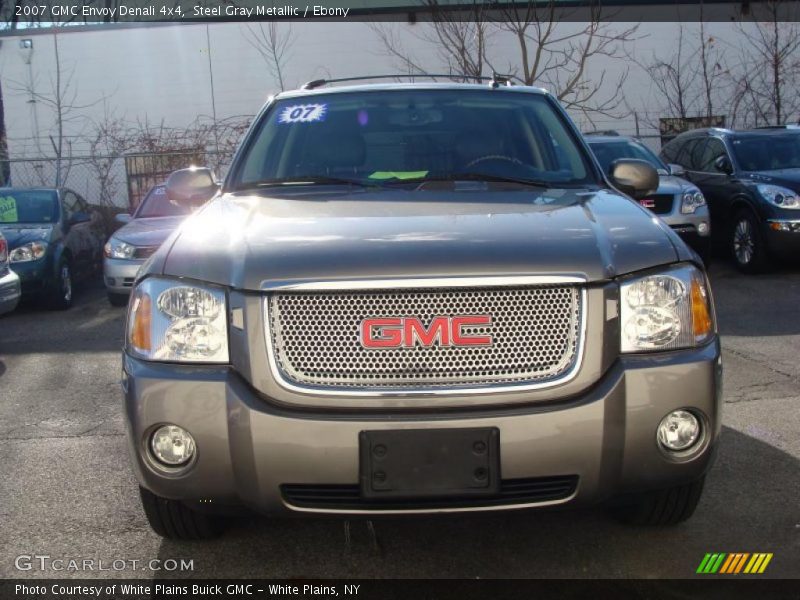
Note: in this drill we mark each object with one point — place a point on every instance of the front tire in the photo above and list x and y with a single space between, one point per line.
747 243
174 520
63 286
661 507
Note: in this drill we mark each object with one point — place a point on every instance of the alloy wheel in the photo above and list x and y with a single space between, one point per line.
743 242
66 283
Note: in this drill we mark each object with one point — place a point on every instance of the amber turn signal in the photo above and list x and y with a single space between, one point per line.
141 319
702 327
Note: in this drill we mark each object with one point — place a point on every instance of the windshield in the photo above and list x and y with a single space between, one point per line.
156 204
767 152
397 136
608 152
28 206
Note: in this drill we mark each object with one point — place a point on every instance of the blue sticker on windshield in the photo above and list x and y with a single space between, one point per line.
303 113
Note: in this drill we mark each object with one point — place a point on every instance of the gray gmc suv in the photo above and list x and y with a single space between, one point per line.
419 298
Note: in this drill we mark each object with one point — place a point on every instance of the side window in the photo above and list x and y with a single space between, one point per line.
684 157
82 205
687 154
70 203
670 151
712 151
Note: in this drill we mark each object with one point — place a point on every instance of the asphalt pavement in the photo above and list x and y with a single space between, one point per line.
67 491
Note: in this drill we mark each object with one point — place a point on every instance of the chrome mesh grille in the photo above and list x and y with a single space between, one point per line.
316 337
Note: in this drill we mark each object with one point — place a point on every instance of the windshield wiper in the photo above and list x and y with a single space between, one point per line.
480 177
310 180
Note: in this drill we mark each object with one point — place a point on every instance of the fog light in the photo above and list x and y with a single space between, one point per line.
703 227
679 431
172 445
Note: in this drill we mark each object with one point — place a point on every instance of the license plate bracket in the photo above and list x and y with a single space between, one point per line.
425 463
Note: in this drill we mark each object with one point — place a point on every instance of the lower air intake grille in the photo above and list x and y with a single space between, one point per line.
348 496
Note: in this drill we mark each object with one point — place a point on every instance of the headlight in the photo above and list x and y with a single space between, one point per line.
665 311
28 252
177 322
115 248
691 201
779 196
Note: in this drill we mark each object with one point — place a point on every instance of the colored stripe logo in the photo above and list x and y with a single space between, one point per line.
734 563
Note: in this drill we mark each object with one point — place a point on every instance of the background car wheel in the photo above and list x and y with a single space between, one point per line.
747 243
662 507
118 299
62 296
174 520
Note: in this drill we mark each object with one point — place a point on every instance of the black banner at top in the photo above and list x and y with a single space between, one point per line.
28 13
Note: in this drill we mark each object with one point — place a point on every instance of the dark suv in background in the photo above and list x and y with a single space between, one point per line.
751 181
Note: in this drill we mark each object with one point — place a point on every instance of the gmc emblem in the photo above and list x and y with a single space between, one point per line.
407 332
648 202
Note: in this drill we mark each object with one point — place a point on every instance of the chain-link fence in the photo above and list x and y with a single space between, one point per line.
111 181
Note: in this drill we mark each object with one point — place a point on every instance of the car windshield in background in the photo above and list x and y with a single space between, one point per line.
156 204
381 137
767 152
28 206
608 152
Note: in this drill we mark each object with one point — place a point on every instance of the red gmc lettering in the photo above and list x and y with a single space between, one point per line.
396 332
460 339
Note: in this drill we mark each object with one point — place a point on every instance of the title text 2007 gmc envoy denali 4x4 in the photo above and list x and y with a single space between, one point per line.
418 299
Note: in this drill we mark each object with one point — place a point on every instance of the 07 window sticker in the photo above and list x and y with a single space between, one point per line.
303 113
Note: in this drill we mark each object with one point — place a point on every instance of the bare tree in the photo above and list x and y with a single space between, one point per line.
5 168
768 86
273 41
551 53
558 55
109 139
61 101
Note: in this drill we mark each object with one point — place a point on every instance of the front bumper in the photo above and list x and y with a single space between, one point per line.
783 237
35 276
248 446
10 291
119 274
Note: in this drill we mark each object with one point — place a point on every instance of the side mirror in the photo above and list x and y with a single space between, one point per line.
636 178
723 165
79 217
123 218
676 170
192 186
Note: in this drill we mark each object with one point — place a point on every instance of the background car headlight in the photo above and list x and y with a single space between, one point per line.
175 322
665 311
779 196
28 252
115 248
691 201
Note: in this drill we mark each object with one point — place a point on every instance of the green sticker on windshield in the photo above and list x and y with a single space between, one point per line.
398 175
8 210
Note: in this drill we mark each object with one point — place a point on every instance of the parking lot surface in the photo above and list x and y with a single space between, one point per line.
68 492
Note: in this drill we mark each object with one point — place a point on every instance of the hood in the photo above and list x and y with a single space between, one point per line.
669 184
789 178
252 242
148 232
18 235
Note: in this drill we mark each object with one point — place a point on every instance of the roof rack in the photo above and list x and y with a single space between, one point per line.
786 126
496 79
609 132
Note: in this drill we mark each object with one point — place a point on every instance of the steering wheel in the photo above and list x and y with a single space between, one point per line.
497 157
